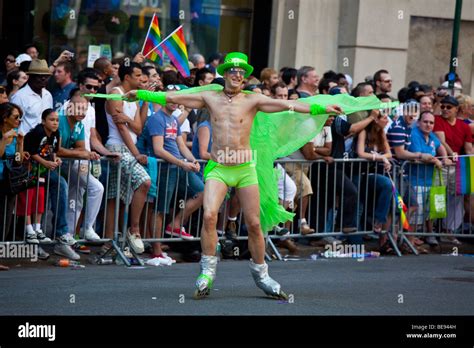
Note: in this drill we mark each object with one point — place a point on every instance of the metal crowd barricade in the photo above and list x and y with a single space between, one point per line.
459 219
326 208
332 227
13 226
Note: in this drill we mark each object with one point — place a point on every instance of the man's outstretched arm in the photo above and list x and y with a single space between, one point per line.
191 100
269 105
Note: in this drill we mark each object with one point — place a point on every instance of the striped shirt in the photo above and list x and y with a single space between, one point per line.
399 134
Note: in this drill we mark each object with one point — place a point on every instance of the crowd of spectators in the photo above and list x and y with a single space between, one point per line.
62 134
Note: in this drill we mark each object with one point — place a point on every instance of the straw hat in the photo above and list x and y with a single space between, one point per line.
38 67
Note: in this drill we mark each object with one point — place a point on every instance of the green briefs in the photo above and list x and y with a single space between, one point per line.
241 175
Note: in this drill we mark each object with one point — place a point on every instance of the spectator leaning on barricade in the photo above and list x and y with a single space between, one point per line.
73 145
372 145
424 141
456 137
43 143
179 171
10 142
64 84
399 139
124 125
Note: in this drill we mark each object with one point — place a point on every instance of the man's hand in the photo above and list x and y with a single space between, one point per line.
426 157
447 162
197 166
119 117
438 164
334 109
63 57
94 156
131 96
328 159
58 161
116 156
188 166
139 58
142 159
51 165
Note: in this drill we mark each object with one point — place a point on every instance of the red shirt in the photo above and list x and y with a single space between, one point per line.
456 136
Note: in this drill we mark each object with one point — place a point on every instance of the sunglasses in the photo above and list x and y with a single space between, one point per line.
2 90
175 87
428 122
448 107
95 88
234 71
9 60
387 81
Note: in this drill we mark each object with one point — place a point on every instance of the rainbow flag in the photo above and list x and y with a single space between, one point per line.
465 175
401 205
153 38
175 48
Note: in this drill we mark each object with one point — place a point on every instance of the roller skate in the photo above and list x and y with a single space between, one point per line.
269 286
206 279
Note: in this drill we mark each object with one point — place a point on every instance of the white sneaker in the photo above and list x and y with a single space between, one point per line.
90 235
42 237
431 240
66 251
135 242
67 239
31 238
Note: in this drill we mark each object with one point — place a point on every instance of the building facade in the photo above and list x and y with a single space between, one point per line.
410 38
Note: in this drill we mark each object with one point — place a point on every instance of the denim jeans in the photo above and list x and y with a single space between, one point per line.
58 188
383 194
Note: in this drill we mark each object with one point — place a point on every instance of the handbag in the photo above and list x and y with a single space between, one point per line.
437 197
18 176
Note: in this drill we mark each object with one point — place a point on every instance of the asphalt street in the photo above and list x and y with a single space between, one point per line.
423 285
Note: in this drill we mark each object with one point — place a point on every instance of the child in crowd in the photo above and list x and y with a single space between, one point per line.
42 142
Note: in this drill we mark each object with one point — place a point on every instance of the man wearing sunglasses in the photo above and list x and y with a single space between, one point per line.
456 137
232 113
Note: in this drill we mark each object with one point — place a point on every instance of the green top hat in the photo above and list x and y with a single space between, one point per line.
235 60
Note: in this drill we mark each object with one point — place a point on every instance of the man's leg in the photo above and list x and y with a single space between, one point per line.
136 207
214 194
250 201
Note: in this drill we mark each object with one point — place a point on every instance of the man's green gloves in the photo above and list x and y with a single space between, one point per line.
154 97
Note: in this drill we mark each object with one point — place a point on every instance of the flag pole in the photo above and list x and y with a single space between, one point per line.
149 28
162 41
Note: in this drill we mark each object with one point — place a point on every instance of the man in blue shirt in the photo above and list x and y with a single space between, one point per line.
424 141
64 84
164 141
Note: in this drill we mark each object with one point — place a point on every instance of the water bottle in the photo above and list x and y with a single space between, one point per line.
96 169
218 250
69 263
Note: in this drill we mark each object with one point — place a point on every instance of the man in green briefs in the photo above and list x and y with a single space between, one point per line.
232 162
